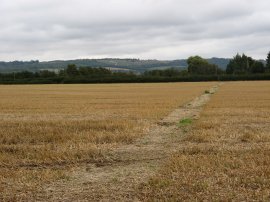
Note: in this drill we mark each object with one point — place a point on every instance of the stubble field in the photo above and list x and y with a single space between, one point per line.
47 129
225 156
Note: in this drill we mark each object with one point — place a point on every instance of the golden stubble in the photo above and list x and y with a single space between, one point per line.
226 155
43 127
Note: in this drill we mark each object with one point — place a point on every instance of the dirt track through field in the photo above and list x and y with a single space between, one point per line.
117 178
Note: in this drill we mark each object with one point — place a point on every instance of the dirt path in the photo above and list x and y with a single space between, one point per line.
117 178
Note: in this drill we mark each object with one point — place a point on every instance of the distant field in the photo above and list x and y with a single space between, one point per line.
45 129
226 155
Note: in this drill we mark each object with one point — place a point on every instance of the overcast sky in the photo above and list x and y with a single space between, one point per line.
146 29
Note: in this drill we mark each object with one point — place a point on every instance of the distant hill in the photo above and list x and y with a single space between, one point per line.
111 63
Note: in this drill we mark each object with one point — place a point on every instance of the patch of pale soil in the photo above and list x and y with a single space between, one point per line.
125 168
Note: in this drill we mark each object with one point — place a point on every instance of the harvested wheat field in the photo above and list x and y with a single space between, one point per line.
225 155
48 131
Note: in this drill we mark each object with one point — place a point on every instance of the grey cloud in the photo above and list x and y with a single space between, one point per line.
162 29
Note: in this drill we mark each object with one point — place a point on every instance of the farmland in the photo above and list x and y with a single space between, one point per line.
172 141
47 130
225 156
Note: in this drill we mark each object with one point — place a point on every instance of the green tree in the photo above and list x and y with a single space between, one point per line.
198 65
257 67
170 72
47 74
268 61
72 70
240 64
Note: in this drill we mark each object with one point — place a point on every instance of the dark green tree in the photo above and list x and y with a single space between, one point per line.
72 70
198 65
268 61
171 72
257 67
25 75
93 71
47 74
240 64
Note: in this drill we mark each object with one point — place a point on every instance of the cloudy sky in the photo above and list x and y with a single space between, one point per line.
146 29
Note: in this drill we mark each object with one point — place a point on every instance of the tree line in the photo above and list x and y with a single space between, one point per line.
241 67
242 64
